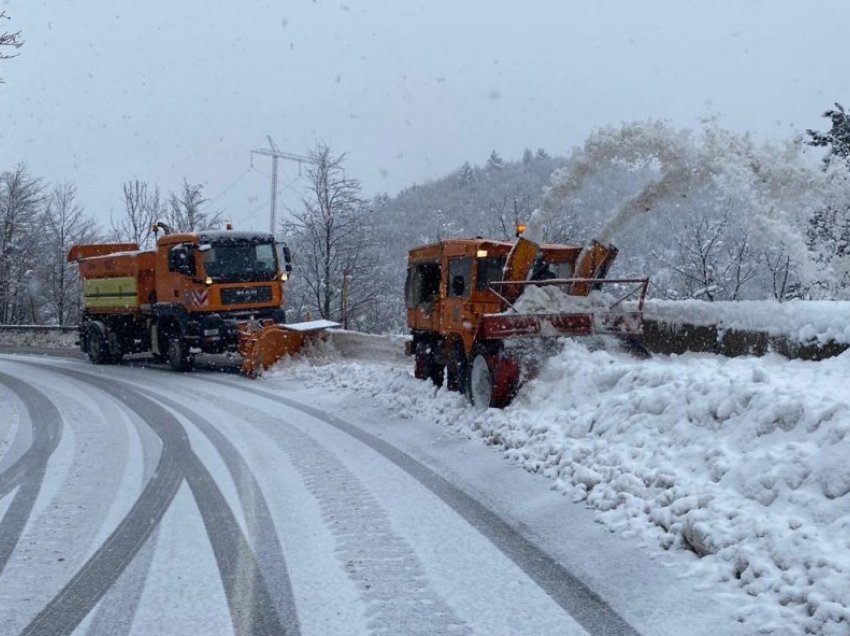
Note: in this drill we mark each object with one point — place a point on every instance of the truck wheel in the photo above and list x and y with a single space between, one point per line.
635 348
456 369
179 358
97 347
425 368
493 378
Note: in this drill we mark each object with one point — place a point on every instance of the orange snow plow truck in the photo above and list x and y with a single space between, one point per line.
203 292
483 313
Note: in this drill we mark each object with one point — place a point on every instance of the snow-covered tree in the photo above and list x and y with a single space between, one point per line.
331 237
494 161
683 184
21 196
837 139
829 227
187 209
466 174
8 40
63 225
142 208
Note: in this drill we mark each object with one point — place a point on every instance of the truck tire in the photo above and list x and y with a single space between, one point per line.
179 358
425 367
635 347
457 369
493 378
97 347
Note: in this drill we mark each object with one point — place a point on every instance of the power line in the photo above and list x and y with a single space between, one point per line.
235 181
275 153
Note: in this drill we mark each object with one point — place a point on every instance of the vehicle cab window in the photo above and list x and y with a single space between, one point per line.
422 288
460 276
489 270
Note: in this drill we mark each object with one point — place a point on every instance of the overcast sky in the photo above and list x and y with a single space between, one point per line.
105 91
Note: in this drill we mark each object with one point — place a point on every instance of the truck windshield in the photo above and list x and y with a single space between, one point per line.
240 262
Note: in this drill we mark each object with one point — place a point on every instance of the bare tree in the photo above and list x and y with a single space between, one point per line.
20 198
142 208
331 237
777 261
187 209
712 258
63 225
10 40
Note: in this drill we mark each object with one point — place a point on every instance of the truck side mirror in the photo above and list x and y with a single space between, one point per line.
287 258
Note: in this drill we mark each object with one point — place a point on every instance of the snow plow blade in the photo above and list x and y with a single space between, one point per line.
264 346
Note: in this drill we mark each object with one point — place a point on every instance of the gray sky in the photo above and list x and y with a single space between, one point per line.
105 91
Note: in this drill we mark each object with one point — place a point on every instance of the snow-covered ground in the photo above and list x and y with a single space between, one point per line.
741 463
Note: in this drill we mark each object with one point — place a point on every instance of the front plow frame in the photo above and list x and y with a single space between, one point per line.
263 344
507 367
580 323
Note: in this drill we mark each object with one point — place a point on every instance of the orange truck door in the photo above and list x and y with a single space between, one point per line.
456 308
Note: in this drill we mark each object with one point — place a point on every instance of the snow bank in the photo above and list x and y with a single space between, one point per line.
807 321
741 462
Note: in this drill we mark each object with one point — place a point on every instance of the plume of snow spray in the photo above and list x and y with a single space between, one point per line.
636 144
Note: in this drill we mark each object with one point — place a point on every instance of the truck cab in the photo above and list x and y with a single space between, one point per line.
208 283
198 291
450 285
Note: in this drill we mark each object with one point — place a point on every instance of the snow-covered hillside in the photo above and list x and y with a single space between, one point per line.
740 463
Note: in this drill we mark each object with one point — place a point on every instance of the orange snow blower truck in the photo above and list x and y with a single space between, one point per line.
469 324
209 291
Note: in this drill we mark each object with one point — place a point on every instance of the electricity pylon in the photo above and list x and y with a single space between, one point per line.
275 153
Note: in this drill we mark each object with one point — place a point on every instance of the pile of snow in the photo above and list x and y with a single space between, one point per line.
741 462
364 346
552 299
802 321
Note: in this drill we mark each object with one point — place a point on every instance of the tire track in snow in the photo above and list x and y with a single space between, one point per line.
77 506
568 591
384 567
27 473
270 557
79 596
251 614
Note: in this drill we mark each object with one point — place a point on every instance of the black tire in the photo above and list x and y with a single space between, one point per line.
635 348
98 349
425 367
456 369
179 358
492 377
479 384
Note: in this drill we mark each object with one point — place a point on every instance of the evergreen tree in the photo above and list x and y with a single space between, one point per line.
494 162
828 234
837 140
466 174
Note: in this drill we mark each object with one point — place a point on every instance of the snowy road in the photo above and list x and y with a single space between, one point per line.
137 501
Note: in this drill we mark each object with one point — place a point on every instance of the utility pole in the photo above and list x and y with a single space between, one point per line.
276 154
